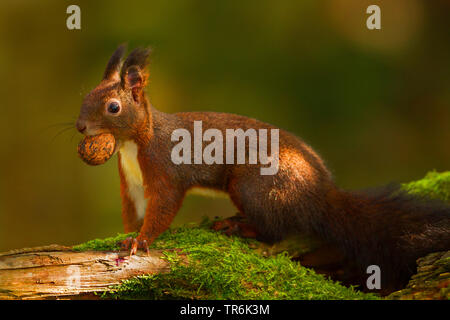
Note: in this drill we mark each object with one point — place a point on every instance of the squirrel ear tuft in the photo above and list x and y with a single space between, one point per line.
113 67
135 81
137 58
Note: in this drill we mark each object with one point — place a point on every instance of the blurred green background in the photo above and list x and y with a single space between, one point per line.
374 104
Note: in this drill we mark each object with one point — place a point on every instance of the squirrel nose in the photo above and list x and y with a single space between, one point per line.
81 126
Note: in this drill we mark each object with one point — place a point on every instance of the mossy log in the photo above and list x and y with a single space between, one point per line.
190 262
57 272
61 272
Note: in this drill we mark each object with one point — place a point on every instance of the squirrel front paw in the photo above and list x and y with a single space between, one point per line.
133 244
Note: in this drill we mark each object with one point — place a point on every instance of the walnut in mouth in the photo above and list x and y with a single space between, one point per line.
96 150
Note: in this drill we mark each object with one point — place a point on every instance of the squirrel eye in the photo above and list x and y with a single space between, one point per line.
114 107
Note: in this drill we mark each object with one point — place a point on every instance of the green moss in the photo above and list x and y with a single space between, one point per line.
220 267
107 244
435 185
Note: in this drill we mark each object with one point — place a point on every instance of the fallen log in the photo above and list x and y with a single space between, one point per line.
57 272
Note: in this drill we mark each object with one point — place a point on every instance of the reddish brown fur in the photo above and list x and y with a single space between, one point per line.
301 197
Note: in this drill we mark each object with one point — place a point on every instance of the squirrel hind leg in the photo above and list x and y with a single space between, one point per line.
290 201
268 219
236 225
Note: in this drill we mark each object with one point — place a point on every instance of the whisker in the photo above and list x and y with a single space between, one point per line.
61 132
42 130
73 135
59 124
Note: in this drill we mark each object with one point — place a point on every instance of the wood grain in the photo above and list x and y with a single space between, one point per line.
57 272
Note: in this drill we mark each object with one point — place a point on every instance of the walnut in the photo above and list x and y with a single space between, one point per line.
95 150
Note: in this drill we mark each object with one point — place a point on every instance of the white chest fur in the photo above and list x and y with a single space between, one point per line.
133 175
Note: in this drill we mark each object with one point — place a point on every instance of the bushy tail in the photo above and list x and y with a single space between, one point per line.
387 227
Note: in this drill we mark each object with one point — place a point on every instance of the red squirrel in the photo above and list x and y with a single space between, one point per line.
387 228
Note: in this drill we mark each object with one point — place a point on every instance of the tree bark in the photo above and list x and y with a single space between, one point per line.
57 272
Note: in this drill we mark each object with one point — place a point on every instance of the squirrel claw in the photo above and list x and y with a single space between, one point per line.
133 244
144 242
134 247
126 244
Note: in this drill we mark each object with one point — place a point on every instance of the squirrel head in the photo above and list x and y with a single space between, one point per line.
118 104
